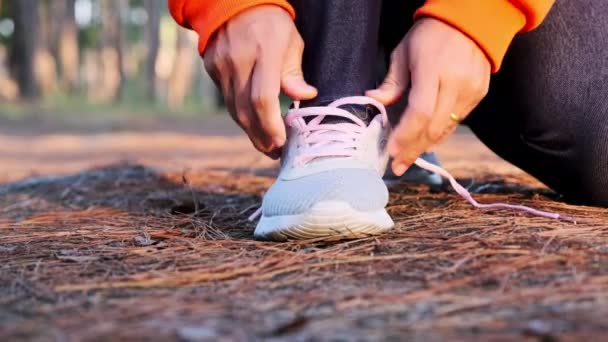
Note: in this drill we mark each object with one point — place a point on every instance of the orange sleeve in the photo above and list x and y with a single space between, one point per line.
206 16
492 24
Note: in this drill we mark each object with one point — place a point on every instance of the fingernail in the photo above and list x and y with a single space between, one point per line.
309 88
278 142
377 94
399 169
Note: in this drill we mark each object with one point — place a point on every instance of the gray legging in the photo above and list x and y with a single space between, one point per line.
546 111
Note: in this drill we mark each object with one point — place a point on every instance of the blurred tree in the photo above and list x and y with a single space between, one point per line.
45 67
8 87
180 80
23 49
111 49
64 42
152 38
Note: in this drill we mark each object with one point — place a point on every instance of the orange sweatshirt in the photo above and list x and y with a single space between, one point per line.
492 24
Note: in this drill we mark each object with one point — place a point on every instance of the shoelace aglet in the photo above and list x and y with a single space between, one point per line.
567 219
255 215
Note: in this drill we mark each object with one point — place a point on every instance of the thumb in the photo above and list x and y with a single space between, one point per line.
395 83
292 78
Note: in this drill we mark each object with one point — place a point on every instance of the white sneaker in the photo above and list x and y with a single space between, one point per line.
330 182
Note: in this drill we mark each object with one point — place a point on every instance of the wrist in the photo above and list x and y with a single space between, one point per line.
478 20
207 21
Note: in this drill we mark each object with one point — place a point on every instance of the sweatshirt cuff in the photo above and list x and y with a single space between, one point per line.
205 23
492 24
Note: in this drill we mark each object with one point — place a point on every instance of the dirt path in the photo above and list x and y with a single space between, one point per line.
143 235
26 152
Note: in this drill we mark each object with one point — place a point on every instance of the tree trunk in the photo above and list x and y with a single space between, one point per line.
180 80
45 66
152 43
64 44
25 16
111 50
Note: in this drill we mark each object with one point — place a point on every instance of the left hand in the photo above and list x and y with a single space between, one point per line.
446 73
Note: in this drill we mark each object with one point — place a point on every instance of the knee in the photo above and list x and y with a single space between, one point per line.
592 164
582 173
571 155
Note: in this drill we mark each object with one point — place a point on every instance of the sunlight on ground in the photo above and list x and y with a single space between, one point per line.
53 154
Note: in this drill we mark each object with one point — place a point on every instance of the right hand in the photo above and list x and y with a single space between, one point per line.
252 58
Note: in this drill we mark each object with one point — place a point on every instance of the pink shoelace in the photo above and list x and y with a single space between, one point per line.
341 140
331 139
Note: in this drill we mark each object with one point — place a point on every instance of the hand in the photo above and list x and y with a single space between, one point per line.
251 58
446 72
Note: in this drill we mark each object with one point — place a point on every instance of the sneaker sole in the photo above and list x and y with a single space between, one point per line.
325 219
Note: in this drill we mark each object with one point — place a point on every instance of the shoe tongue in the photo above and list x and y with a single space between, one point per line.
364 112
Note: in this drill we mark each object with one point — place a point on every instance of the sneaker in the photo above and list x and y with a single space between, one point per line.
330 180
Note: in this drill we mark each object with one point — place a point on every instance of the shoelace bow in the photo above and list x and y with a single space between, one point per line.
341 139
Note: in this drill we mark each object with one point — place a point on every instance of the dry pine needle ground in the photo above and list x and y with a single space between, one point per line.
128 252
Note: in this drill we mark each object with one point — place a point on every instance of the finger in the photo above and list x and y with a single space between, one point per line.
292 77
395 83
465 99
408 138
399 166
444 136
447 103
244 112
216 61
212 71
265 90
209 61
461 107
228 94
225 83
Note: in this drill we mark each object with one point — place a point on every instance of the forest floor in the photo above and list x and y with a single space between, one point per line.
140 232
